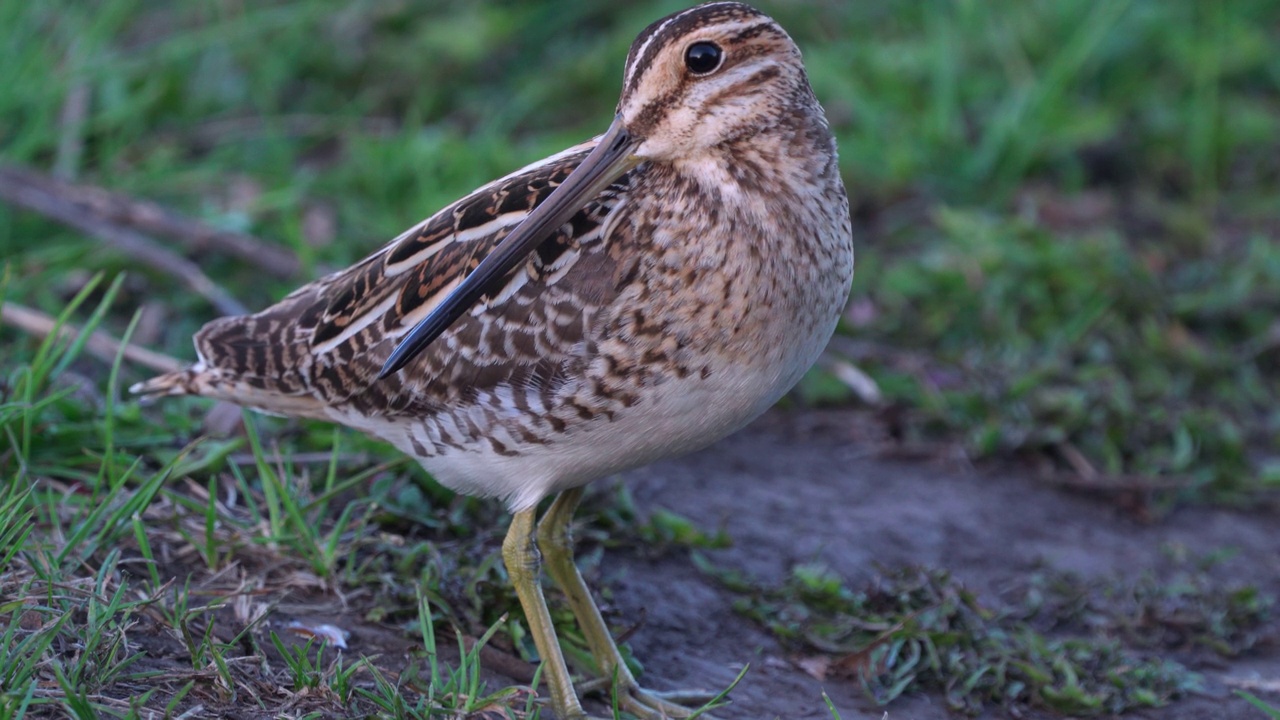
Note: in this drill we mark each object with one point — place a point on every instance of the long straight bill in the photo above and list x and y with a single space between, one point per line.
610 159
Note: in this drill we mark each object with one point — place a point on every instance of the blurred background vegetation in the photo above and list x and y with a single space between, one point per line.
1066 211
1067 215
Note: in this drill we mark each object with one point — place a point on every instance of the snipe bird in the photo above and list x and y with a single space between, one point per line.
632 298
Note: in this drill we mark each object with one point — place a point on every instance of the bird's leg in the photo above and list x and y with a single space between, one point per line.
520 553
556 540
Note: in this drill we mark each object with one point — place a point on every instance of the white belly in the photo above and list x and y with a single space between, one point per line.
674 417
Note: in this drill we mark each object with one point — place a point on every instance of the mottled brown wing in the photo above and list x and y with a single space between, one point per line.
328 339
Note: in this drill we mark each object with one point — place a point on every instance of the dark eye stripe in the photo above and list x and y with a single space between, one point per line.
678 28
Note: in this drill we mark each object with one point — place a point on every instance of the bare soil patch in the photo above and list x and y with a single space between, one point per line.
796 487
799 488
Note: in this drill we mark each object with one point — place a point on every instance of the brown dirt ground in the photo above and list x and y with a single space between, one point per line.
806 486
799 487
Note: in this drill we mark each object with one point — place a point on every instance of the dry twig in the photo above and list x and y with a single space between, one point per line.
76 204
99 344
45 199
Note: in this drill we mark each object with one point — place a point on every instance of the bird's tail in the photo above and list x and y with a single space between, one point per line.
211 382
182 382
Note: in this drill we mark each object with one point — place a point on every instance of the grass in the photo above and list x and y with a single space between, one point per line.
1053 343
1066 224
1267 709
1064 645
1184 610
97 619
144 574
918 630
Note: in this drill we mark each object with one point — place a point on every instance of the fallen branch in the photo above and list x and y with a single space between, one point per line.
41 199
66 202
100 344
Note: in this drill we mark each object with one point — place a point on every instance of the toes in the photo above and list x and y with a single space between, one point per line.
690 697
656 705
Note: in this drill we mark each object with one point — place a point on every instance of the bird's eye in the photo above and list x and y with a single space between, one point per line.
703 58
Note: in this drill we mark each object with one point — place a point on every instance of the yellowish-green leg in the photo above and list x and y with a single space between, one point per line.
556 540
520 553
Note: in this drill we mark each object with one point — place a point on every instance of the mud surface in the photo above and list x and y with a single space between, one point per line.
802 487
808 487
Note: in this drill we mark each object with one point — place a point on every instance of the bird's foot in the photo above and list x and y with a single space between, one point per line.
656 705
